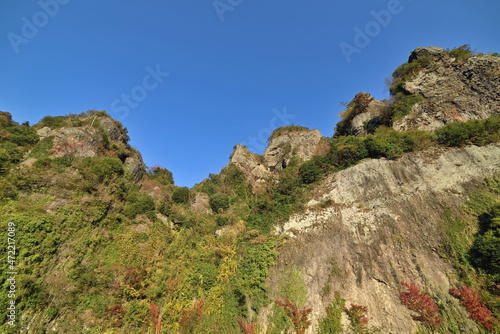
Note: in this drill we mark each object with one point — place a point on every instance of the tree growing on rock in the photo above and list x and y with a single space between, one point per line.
422 304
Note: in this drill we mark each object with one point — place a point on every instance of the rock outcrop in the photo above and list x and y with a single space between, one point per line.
301 143
375 224
252 165
454 90
135 166
93 140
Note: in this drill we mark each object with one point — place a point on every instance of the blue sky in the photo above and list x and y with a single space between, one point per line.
191 79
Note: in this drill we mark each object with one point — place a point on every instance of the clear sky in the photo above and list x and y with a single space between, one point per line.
191 79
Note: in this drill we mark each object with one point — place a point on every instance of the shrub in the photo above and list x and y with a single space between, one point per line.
219 202
358 316
155 317
52 122
42 148
419 302
477 132
403 103
485 251
300 318
22 135
309 172
191 318
405 72
284 129
161 174
181 195
477 311
461 53
331 324
246 328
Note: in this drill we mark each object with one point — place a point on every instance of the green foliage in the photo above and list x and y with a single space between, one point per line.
461 53
99 170
219 202
406 71
403 103
309 172
475 254
52 122
181 195
285 129
331 323
357 106
253 272
10 155
21 135
41 149
162 175
138 203
485 251
476 132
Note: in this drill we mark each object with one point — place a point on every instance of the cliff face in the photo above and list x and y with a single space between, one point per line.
102 254
303 144
380 228
92 135
454 90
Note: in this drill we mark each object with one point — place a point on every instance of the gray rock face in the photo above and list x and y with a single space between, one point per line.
135 166
80 142
112 130
87 141
367 119
253 168
382 226
201 203
454 91
295 143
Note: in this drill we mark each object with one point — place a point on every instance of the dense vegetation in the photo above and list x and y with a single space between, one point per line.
96 249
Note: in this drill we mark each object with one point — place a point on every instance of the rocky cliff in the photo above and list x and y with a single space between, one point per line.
107 247
434 88
454 90
381 227
92 134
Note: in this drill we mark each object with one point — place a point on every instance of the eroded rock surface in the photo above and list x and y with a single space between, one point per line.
251 164
294 143
455 91
374 225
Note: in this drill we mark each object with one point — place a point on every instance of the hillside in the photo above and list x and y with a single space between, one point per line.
406 190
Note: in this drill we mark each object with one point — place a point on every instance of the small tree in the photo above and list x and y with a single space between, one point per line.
181 195
246 328
156 317
191 318
300 318
476 308
219 202
358 316
423 305
331 324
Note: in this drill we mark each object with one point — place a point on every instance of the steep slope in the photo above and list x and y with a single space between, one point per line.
381 227
455 89
105 245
